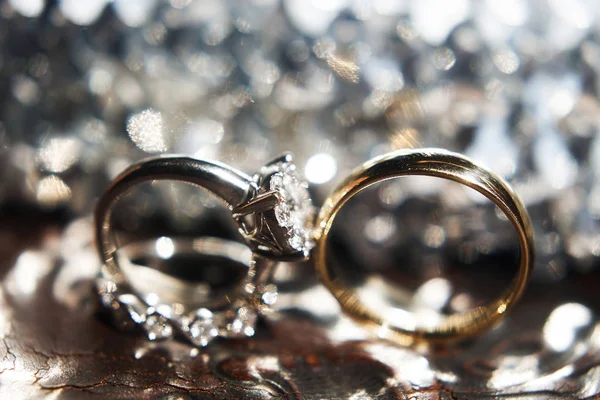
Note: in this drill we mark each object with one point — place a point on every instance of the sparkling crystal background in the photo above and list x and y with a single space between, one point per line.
88 87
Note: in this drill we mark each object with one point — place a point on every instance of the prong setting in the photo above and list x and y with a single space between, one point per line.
282 210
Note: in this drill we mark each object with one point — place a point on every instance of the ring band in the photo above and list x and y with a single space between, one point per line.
436 163
272 209
165 316
270 197
173 289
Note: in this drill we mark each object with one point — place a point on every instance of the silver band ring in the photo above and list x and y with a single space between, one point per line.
272 209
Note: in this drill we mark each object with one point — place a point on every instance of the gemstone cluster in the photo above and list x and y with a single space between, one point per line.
295 212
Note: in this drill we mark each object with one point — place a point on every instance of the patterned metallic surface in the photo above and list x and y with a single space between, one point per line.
55 345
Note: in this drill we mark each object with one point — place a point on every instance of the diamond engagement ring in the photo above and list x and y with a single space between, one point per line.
399 324
274 214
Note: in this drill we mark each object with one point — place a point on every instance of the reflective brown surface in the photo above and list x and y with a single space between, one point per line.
89 87
56 346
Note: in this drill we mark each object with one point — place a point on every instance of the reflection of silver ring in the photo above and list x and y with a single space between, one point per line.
165 305
274 214
137 260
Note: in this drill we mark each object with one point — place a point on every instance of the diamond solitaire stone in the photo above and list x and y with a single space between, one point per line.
295 212
282 213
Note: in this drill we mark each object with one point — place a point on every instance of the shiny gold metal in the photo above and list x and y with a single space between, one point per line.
442 164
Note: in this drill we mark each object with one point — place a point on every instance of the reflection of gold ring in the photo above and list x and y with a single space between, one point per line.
441 164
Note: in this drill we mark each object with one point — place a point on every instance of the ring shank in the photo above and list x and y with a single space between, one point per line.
171 289
441 164
232 186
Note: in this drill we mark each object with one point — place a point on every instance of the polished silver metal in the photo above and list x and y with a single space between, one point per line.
139 260
272 209
251 200
165 306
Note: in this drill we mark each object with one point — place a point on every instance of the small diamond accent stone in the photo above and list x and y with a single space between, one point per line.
244 322
282 213
203 330
134 306
269 295
277 182
106 286
297 240
158 327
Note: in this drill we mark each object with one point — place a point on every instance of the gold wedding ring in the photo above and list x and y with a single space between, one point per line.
436 163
